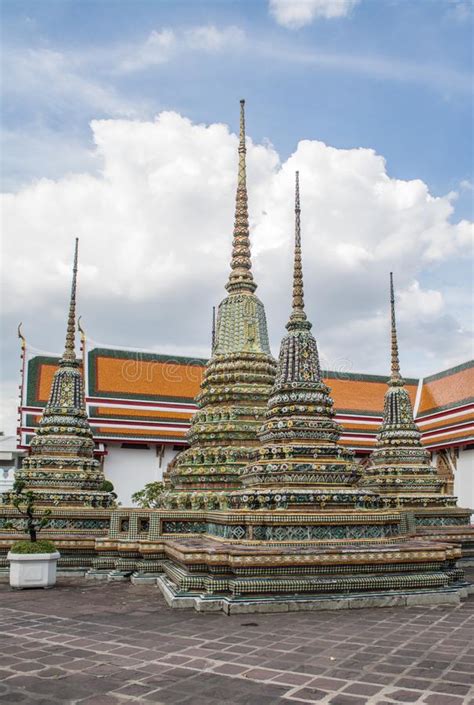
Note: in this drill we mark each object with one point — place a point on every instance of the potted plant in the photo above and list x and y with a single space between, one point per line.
32 563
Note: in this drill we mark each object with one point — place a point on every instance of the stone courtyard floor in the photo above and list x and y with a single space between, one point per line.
116 644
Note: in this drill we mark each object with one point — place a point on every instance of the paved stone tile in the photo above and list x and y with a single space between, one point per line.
230 669
292 678
328 683
436 699
309 695
93 644
342 699
362 689
404 696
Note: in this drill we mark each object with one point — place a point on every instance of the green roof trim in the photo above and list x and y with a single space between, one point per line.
361 414
146 356
361 377
34 365
445 407
451 371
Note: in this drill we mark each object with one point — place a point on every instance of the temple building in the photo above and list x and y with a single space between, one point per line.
143 407
294 529
267 508
140 405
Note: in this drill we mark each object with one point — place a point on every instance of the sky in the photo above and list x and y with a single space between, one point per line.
119 125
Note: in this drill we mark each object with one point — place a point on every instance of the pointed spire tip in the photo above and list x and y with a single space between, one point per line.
69 348
395 376
241 278
298 315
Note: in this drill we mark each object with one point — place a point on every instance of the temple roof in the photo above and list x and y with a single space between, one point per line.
158 406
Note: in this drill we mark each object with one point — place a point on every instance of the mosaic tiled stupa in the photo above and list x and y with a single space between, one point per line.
299 462
61 469
237 380
299 533
399 466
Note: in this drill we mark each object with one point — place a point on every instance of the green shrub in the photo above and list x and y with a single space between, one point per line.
41 546
107 486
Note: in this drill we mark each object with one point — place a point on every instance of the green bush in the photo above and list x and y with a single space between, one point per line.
107 486
42 546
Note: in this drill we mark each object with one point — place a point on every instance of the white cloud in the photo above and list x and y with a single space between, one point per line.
416 302
298 13
156 49
155 227
162 46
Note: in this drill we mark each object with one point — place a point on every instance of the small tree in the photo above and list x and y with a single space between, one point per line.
24 501
149 496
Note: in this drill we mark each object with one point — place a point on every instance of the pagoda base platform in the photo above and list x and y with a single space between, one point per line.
208 574
462 535
300 603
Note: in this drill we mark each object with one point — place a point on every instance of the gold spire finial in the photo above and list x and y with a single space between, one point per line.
395 376
240 278
21 336
69 354
298 314
81 329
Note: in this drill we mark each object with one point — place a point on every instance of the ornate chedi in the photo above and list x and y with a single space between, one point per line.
399 468
299 533
299 463
237 380
61 469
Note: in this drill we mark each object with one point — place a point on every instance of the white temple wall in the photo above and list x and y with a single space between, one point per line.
464 479
130 469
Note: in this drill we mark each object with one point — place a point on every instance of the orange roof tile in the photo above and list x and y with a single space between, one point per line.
113 411
123 376
361 394
447 389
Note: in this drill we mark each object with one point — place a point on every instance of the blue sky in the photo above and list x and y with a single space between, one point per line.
393 75
83 83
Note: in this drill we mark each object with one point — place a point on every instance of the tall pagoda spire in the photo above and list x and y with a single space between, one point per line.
395 377
241 278
399 467
61 467
298 316
237 380
69 348
299 456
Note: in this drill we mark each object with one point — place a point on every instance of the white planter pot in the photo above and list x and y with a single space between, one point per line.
33 569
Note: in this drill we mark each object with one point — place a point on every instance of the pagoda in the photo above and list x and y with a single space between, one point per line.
61 469
264 512
237 380
299 462
399 468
